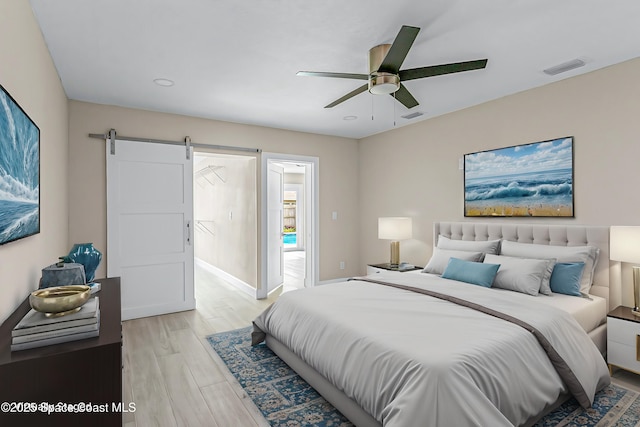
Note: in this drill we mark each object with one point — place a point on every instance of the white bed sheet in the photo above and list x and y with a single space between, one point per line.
589 312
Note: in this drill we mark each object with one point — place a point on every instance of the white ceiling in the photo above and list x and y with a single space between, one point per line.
237 60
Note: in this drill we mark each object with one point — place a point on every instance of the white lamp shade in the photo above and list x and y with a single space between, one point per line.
624 244
394 228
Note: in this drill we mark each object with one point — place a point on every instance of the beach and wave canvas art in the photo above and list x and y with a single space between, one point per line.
520 181
19 172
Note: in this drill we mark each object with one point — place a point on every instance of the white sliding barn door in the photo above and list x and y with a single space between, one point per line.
149 227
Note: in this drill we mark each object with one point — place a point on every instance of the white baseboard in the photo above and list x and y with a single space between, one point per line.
240 284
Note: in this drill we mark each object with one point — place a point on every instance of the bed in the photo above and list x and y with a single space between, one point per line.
416 347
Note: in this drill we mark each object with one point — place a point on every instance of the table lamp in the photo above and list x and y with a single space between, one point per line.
394 229
625 247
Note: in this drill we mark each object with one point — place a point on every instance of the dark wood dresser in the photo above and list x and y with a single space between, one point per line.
86 372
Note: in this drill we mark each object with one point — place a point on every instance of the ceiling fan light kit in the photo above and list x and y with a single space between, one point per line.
380 82
385 75
384 83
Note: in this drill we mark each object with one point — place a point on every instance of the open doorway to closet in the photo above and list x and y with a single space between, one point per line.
225 227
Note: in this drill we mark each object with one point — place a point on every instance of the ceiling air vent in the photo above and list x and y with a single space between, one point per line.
412 115
564 67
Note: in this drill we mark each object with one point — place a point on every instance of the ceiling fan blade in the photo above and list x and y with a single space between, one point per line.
437 70
399 50
405 97
336 75
348 96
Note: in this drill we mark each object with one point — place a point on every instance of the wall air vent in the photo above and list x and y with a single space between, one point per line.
564 67
412 115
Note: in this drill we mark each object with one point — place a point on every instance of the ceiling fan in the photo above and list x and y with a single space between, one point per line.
385 75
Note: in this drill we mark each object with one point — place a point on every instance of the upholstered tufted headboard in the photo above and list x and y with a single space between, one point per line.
606 283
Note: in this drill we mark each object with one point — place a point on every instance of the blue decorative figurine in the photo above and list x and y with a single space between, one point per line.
87 255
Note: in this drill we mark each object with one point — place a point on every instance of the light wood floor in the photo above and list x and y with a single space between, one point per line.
172 374
176 379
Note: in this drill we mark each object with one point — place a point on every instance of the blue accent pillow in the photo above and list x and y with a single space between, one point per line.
476 273
565 278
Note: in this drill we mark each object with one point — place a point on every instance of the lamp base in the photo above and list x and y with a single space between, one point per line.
395 254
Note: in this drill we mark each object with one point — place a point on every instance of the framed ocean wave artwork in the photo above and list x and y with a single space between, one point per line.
19 171
520 181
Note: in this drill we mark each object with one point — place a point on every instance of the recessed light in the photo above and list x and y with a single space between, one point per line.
164 82
349 117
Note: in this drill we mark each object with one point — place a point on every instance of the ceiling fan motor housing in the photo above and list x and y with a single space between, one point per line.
381 83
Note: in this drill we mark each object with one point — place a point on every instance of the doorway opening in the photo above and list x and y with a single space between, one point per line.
294 226
289 222
225 222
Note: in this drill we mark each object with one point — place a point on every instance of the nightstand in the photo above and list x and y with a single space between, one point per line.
380 268
623 339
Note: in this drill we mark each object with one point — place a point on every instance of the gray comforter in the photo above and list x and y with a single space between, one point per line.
410 359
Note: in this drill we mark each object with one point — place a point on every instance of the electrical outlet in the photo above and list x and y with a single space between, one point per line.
341 265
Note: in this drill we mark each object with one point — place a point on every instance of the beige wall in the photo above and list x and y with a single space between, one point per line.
413 171
28 74
227 237
338 171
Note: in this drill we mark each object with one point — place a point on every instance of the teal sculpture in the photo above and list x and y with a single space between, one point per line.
87 255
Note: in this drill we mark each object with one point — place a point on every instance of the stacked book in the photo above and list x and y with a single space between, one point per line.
37 330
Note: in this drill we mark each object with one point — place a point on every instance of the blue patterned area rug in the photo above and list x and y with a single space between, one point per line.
287 400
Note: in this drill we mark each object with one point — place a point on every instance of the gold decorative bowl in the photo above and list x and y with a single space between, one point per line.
59 300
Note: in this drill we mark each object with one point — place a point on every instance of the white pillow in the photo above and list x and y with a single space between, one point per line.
440 258
521 274
586 254
487 246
